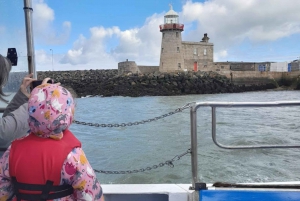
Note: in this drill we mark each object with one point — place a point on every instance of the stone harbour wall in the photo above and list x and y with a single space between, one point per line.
109 83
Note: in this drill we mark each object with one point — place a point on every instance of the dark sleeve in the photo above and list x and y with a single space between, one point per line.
18 100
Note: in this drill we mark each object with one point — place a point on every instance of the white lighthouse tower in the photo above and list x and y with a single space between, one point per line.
171 56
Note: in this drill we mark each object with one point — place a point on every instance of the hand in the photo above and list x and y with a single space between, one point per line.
25 83
46 80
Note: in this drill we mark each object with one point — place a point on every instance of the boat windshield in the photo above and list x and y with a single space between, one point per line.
13 35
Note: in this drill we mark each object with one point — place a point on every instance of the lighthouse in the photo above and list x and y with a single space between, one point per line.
177 55
171 57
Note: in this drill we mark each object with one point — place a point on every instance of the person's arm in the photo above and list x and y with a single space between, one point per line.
21 96
19 99
6 188
78 172
14 125
14 122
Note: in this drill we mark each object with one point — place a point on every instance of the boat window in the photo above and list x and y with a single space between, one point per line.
13 35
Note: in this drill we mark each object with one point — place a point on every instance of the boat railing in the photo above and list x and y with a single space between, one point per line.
193 116
193 123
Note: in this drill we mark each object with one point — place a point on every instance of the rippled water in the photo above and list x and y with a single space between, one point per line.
142 146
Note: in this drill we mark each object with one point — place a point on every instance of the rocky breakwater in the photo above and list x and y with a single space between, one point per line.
80 82
108 83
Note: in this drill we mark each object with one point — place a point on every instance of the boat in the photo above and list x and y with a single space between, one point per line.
196 190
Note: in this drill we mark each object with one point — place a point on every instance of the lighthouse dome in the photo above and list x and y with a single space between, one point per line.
171 12
171 17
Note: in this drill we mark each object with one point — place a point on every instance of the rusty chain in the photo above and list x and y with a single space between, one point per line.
188 105
168 162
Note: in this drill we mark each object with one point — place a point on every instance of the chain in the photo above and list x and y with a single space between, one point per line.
168 162
188 105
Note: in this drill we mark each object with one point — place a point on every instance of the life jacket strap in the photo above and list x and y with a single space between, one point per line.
48 191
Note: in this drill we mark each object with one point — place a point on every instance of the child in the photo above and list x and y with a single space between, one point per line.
48 163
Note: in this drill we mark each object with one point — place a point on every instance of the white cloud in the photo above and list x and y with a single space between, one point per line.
42 58
44 31
229 23
141 44
89 50
219 55
138 44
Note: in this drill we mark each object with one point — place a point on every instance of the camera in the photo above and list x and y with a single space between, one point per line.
12 56
39 82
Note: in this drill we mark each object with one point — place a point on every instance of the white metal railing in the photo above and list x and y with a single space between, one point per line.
214 105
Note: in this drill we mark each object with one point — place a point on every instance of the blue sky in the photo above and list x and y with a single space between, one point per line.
97 34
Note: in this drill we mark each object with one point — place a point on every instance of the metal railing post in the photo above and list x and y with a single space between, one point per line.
29 37
194 152
213 122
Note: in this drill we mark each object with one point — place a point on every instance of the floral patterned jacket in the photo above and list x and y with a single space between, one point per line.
75 171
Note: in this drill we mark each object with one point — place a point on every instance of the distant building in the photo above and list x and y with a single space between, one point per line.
178 55
295 65
125 67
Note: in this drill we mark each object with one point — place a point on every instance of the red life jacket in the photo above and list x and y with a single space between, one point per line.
34 161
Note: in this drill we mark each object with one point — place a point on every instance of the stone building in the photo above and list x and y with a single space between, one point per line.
295 65
125 67
178 55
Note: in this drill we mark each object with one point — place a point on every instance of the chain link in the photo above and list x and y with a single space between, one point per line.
168 162
186 106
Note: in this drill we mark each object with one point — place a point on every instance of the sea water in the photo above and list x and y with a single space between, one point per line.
144 145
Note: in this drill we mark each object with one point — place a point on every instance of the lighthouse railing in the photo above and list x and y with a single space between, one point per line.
171 26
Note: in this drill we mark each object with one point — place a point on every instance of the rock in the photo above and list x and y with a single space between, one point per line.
108 83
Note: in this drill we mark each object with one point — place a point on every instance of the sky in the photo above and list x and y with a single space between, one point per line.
97 34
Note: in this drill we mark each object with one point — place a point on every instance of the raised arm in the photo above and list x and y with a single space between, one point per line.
13 123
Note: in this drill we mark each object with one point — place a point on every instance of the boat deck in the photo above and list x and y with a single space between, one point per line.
147 192
281 191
